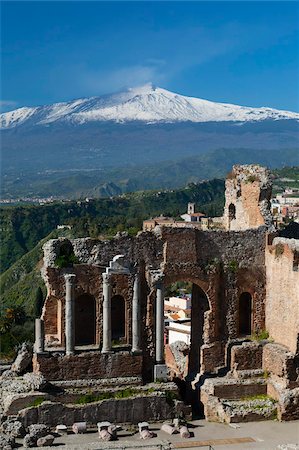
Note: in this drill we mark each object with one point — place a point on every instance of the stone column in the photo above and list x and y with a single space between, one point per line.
136 325
106 314
39 336
159 322
69 313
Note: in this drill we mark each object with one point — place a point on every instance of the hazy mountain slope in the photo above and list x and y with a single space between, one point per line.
162 175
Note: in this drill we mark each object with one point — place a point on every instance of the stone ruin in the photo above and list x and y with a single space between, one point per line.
102 324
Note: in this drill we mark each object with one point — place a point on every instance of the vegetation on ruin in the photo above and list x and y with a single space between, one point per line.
279 250
171 397
38 401
252 179
261 335
233 266
123 393
258 397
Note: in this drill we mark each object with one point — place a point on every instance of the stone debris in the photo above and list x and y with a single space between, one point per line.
61 429
35 381
107 431
180 351
169 429
36 432
13 428
45 441
288 447
79 427
23 359
144 431
184 432
6 442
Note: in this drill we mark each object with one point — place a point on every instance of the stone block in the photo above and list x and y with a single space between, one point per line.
248 356
160 372
289 405
278 361
212 357
14 403
45 441
88 365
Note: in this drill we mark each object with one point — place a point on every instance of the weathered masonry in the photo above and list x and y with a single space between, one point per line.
104 316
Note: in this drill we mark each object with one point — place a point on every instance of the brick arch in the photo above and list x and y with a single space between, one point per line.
201 316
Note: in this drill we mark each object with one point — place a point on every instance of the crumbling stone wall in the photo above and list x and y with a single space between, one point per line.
247 196
282 293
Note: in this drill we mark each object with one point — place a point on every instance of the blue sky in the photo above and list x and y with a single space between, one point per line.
237 52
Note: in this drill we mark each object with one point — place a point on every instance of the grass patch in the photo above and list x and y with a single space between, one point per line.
263 397
123 393
38 401
260 336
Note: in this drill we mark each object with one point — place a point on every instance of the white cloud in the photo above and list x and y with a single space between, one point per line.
7 105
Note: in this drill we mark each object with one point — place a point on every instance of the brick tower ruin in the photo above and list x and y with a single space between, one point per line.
247 198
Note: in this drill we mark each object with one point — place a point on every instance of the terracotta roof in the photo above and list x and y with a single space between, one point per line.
197 214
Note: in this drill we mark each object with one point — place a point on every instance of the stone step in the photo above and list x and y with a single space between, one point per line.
249 410
98 383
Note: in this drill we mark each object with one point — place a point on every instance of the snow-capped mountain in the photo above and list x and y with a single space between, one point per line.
147 104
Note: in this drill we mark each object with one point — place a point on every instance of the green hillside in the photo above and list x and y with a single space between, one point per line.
22 227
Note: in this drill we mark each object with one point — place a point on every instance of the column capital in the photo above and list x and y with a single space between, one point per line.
69 278
106 277
157 278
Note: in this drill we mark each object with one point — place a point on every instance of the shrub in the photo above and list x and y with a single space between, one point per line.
66 261
279 249
233 266
260 336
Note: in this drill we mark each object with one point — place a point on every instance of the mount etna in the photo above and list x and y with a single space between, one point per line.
142 127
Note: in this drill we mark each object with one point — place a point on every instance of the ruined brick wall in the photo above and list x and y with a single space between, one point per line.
88 365
223 264
282 294
247 196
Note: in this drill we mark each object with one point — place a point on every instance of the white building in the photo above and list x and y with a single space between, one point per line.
178 302
179 331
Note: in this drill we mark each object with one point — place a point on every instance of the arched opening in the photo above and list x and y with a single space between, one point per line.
245 314
231 212
118 318
85 320
185 308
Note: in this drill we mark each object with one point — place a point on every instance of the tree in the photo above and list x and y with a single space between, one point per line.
39 302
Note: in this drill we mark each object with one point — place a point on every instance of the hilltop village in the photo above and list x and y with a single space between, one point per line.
224 346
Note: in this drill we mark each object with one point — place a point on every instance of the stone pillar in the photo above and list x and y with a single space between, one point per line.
69 313
136 325
106 314
39 336
159 322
